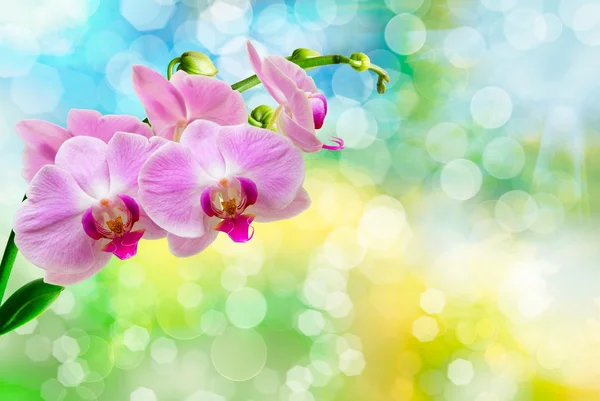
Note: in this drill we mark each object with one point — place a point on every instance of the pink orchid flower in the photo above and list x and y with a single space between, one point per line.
43 139
84 208
304 108
172 105
221 179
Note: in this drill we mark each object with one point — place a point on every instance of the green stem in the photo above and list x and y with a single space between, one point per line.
8 260
252 81
172 64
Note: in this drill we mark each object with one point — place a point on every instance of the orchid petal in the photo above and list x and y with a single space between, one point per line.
208 98
298 205
48 228
170 186
268 159
302 137
125 156
92 123
185 247
200 138
162 102
42 141
84 158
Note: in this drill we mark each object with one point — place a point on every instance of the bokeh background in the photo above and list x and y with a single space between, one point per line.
451 252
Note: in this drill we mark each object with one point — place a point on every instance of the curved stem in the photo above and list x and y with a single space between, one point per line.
172 64
8 260
331 59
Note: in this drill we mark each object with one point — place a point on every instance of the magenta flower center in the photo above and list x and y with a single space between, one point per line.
114 219
227 200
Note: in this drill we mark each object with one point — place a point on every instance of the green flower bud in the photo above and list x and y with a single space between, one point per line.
261 116
303 54
362 61
197 63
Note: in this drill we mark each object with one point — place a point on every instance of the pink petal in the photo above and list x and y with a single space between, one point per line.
42 141
124 247
170 185
163 104
200 137
92 123
299 204
151 229
48 229
257 66
185 247
295 73
125 156
238 228
208 98
302 137
102 259
268 159
84 157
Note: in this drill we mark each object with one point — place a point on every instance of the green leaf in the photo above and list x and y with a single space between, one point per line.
27 303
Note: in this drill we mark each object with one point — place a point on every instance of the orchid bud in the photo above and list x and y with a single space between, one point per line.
261 116
362 61
197 63
303 54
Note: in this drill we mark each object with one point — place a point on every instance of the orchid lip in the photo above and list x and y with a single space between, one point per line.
114 219
339 144
228 200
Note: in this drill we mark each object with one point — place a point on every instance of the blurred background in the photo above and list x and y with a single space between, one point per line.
450 253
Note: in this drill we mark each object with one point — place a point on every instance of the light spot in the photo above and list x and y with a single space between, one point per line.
71 374
464 47
163 350
491 107
352 362
142 394
460 372
503 158
461 179
311 322
425 329
189 295
239 355
65 349
516 211
446 142
299 378
433 301
38 92
246 307
136 338
405 34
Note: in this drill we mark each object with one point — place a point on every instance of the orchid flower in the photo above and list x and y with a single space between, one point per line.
84 208
302 109
43 139
221 179
172 105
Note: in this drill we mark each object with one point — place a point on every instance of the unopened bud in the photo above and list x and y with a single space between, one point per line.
261 116
362 61
303 54
197 63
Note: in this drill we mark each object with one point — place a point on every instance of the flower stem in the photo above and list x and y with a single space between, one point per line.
171 66
252 81
8 260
